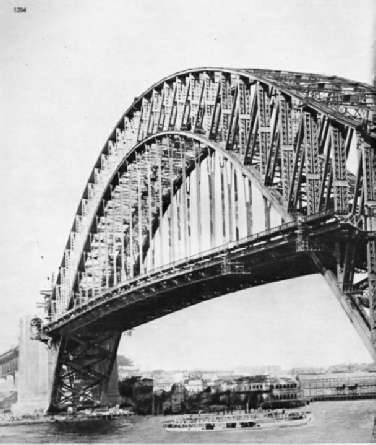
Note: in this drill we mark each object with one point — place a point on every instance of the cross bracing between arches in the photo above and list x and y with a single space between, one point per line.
208 157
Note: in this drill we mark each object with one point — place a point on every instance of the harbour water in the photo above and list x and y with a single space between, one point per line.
334 422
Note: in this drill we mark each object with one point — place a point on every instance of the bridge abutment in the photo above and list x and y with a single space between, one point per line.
37 368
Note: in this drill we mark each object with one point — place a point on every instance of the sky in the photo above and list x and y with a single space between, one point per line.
69 70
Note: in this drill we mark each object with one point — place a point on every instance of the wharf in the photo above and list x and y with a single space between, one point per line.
332 398
89 417
63 418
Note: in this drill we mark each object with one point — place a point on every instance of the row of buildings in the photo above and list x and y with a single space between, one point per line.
165 379
164 392
197 394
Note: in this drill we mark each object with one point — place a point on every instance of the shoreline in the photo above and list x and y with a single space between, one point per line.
65 419
25 422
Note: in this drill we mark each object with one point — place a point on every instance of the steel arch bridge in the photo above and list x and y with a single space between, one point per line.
212 181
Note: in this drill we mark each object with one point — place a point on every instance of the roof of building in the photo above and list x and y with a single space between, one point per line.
337 375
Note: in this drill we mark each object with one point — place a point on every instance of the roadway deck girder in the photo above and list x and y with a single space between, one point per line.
259 256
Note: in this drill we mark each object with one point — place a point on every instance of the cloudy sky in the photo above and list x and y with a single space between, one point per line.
69 69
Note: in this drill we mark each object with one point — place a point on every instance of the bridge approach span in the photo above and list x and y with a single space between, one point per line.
9 363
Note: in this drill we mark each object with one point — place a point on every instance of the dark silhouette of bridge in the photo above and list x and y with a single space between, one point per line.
215 180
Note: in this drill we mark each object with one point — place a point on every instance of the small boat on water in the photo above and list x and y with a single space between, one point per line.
231 422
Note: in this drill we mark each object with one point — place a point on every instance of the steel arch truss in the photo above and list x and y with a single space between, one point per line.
141 190
305 141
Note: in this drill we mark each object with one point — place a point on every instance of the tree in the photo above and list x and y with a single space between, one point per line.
124 361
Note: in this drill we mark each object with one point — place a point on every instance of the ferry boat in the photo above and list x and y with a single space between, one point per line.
255 421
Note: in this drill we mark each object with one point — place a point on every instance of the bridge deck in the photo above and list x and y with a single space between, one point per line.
267 257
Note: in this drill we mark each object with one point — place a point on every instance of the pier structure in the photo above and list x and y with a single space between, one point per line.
212 181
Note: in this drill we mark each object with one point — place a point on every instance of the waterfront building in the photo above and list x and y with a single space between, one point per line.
161 385
178 398
138 392
268 388
257 383
161 402
166 405
340 385
125 372
227 385
284 388
163 380
276 388
194 385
